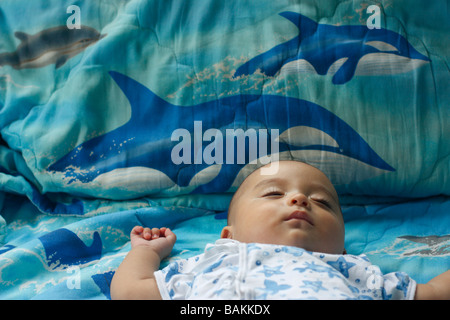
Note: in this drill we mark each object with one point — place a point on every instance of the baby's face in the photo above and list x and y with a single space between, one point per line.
298 206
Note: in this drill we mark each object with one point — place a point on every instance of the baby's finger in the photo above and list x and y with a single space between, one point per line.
147 234
137 230
170 235
155 233
162 231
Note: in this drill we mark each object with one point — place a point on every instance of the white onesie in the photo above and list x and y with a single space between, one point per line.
233 270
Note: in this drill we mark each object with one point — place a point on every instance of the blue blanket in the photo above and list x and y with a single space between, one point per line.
153 112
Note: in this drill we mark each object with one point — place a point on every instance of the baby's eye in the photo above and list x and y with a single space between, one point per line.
273 193
323 201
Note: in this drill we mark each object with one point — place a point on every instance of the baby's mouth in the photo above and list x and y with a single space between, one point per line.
299 215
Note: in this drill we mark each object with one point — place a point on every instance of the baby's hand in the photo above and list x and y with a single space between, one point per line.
160 240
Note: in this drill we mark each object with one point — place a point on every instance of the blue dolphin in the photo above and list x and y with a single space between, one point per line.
144 142
103 281
343 50
63 247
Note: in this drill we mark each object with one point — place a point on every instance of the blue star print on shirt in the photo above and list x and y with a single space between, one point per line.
273 287
173 270
297 252
269 271
341 265
314 285
402 283
318 268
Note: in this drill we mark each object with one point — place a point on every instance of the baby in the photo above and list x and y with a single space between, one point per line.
284 240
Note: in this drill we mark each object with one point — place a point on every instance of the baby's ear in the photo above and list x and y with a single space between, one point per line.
227 233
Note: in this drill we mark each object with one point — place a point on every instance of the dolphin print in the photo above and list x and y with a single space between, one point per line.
63 247
140 150
54 45
344 51
432 245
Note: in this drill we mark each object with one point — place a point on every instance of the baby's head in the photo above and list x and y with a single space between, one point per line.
298 206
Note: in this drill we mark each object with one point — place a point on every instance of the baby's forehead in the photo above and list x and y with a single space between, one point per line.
284 169
286 174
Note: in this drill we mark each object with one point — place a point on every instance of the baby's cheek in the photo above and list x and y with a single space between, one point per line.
334 235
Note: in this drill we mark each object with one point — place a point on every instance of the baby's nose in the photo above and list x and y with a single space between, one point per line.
299 199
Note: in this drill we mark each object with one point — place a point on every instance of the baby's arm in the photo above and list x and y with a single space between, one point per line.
134 279
436 289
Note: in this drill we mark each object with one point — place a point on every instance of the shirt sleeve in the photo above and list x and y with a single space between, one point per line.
174 283
399 286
